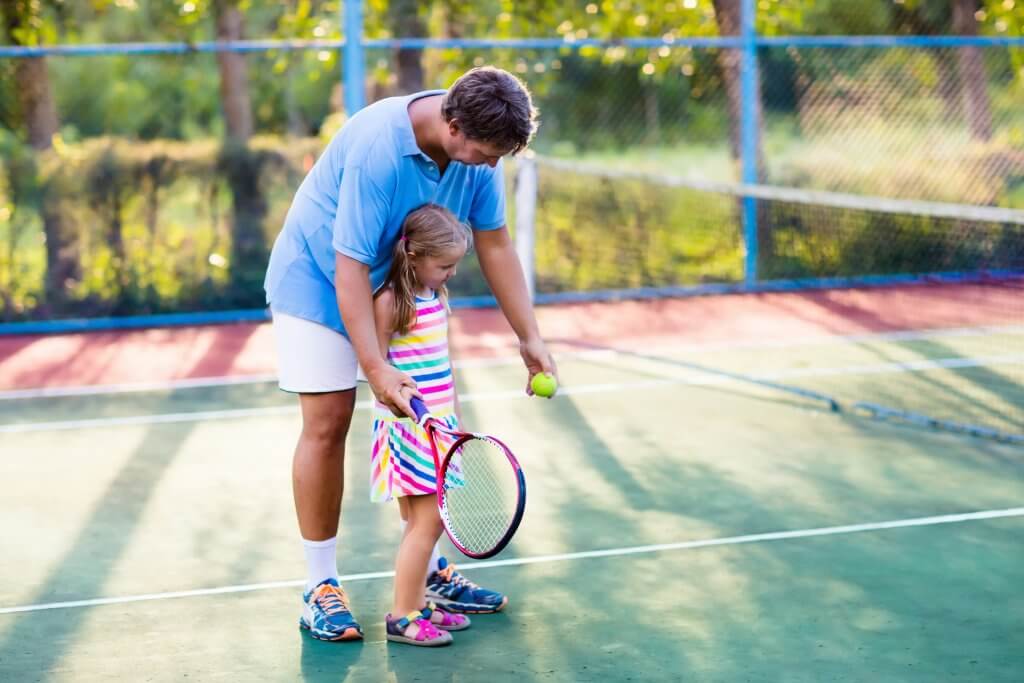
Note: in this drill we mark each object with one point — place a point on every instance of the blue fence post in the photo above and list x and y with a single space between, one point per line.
749 107
354 81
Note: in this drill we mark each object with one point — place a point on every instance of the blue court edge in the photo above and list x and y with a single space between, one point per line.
487 301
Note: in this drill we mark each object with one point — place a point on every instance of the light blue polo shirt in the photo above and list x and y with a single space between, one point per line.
354 201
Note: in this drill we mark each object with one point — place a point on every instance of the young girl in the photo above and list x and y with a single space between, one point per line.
411 316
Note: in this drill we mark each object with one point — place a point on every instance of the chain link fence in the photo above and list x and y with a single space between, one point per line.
140 207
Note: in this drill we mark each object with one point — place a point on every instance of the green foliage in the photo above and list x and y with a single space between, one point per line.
611 234
602 233
810 241
161 226
132 96
22 253
177 97
165 218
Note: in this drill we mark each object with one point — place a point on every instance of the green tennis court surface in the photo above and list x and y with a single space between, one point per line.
682 524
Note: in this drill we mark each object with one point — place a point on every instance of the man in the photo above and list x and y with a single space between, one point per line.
442 147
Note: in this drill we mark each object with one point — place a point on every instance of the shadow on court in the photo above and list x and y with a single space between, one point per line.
82 570
923 391
605 471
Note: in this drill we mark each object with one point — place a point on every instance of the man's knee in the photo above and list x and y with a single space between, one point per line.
326 420
325 433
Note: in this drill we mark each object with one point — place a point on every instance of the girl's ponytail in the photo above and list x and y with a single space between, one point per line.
402 280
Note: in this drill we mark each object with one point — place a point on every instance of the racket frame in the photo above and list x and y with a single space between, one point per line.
433 426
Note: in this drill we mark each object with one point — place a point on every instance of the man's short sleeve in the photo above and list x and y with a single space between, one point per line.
362 216
487 211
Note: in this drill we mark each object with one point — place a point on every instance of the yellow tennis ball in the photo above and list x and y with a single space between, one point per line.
544 384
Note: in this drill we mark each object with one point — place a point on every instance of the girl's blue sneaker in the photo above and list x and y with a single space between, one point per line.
455 593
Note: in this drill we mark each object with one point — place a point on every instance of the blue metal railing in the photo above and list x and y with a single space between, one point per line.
354 82
723 42
749 142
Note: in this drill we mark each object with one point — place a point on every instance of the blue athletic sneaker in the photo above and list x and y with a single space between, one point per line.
326 613
455 593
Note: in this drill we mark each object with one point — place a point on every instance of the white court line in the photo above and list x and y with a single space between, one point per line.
907 335
231 380
713 380
905 366
711 347
130 387
543 559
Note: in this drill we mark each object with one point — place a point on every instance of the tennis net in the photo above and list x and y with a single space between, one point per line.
600 233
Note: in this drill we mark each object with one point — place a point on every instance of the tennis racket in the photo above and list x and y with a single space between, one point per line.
481 490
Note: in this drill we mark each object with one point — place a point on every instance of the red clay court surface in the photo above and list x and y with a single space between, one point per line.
174 353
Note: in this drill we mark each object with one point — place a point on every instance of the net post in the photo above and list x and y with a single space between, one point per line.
354 70
526 211
748 136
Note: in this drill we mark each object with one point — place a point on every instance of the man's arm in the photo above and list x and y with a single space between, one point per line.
356 308
504 273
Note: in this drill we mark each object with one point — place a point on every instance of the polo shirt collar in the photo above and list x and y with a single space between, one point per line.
406 136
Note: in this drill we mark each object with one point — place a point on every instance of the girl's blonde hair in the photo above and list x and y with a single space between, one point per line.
430 230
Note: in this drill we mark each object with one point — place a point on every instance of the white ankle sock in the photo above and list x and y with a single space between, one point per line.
321 561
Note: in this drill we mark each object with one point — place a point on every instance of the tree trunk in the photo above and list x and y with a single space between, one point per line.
41 124
36 101
403 15
973 92
249 251
652 135
234 80
297 125
241 166
727 14
39 116
62 267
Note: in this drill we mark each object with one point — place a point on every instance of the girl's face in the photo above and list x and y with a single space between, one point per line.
433 271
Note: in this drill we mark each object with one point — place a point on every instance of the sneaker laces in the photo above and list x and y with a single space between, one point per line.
449 575
332 599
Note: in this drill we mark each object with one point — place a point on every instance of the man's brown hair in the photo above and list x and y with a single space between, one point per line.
491 105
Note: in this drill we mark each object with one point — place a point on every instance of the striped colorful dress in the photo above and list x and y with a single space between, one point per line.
402 462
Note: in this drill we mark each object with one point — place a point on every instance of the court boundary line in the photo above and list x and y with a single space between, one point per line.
472 397
496 361
232 380
745 539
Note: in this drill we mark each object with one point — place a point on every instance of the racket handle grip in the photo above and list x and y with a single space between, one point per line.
418 407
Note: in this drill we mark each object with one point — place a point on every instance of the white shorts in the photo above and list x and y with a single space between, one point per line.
312 358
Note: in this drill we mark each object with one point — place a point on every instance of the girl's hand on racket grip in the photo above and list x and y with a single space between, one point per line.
393 388
537 359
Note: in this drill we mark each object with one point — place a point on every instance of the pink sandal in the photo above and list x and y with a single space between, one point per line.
445 620
416 628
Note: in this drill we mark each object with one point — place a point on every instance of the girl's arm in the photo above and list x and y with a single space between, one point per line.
384 319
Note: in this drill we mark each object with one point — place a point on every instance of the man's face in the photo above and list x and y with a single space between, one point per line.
469 151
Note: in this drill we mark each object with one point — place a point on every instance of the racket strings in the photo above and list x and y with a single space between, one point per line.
482 507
